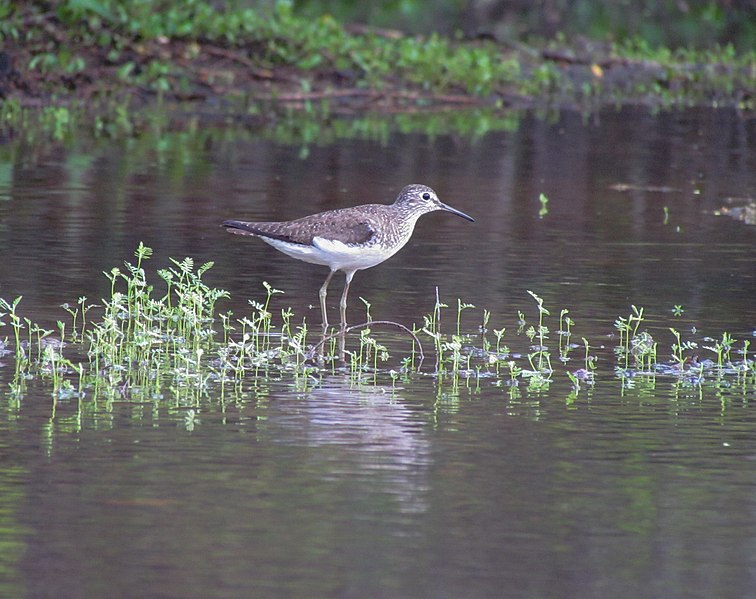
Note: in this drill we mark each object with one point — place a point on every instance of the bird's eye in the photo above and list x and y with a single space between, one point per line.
426 196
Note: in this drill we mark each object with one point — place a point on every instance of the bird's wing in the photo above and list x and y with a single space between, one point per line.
351 233
238 227
271 230
303 230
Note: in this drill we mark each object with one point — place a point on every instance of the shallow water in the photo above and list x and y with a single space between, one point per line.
324 488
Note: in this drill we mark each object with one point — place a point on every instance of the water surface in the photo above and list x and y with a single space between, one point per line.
326 488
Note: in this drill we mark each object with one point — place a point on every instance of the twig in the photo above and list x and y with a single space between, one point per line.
372 94
243 60
368 324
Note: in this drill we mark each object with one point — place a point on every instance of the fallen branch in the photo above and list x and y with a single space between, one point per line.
242 60
312 352
368 93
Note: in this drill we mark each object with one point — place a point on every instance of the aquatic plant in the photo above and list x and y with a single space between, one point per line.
141 342
628 330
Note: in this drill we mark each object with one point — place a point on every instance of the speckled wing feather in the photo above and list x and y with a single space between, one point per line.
328 225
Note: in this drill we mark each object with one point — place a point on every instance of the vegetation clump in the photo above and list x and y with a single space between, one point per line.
257 60
146 344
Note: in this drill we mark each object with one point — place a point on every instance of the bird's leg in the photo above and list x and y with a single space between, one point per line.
323 293
342 347
343 302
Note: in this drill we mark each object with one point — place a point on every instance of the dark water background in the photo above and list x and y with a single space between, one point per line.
337 490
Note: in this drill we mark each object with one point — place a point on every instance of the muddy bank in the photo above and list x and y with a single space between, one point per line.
53 63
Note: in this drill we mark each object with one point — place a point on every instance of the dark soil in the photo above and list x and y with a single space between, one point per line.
223 77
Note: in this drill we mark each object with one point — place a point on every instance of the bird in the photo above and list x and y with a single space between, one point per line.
348 239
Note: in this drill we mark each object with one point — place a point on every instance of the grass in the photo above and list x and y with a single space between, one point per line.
144 344
99 61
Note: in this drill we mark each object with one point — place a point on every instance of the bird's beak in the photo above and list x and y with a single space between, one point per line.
455 211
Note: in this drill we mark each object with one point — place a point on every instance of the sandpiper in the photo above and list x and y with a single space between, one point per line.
349 239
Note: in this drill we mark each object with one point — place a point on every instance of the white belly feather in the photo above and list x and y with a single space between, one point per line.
335 254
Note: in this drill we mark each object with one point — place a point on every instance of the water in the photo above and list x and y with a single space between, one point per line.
422 489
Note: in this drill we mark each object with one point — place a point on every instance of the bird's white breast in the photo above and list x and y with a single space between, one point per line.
335 254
